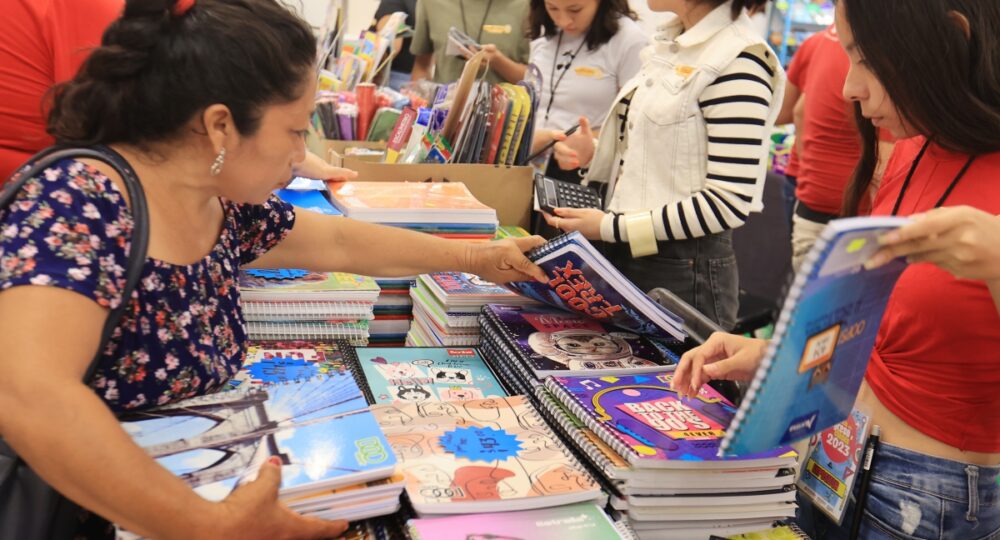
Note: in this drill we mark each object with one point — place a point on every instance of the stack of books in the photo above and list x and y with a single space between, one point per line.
336 461
446 308
526 344
583 521
422 374
659 455
444 209
393 312
286 304
483 455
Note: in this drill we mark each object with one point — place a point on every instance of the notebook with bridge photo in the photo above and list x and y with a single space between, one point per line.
812 370
583 281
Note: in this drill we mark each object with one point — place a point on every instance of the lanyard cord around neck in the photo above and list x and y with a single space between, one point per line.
465 25
913 169
565 69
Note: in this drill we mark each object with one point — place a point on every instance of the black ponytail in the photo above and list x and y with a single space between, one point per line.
156 69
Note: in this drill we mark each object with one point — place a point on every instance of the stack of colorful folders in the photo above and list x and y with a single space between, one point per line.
445 209
298 404
298 304
446 308
659 455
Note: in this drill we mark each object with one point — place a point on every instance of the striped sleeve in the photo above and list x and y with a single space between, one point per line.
735 108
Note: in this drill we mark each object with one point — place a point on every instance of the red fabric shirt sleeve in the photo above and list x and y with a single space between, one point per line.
43 43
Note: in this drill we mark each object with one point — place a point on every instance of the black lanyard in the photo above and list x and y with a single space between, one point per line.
913 169
565 68
465 25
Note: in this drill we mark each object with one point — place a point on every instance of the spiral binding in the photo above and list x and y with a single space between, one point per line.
306 330
265 311
495 332
550 246
548 405
609 436
350 355
513 385
791 304
625 530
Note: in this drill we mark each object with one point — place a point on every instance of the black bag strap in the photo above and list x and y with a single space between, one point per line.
140 216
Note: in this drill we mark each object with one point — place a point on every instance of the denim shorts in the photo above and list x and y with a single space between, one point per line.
912 495
701 271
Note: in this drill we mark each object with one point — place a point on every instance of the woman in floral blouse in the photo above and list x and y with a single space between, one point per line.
208 101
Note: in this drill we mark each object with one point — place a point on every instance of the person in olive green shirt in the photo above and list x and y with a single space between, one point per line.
498 25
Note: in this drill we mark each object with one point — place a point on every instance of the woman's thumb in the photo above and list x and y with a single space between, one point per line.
585 126
269 475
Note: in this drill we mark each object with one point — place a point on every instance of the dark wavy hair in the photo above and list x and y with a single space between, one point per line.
154 71
945 84
740 5
604 27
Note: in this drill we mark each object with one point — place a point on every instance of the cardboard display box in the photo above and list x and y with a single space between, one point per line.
509 190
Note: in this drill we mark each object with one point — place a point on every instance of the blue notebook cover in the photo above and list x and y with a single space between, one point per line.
812 370
426 374
583 281
313 200
320 428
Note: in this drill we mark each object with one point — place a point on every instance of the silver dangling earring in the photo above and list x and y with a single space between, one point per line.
220 160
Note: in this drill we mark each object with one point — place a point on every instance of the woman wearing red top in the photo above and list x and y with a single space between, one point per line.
933 383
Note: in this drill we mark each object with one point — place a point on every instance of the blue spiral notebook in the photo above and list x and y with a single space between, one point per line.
583 281
814 365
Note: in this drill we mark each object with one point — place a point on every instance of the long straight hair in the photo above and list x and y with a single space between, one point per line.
943 83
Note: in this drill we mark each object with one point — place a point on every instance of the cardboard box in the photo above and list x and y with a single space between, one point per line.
509 190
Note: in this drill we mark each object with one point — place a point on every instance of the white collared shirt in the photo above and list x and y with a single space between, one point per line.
593 78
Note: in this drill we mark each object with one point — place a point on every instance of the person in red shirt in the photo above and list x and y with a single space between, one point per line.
932 383
828 144
43 43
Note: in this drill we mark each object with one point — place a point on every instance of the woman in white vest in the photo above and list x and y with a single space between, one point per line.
586 50
683 154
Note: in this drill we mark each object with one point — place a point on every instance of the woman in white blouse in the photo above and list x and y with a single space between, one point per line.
585 50
683 154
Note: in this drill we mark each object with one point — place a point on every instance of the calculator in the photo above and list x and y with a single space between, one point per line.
560 194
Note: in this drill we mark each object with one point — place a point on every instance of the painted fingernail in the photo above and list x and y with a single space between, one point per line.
274 460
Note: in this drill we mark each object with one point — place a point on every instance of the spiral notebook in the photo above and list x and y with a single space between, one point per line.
354 332
490 455
646 422
812 371
422 374
307 311
583 281
584 521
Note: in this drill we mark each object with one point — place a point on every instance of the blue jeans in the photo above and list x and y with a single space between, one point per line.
701 271
912 495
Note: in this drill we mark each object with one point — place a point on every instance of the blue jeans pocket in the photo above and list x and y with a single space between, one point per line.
723 287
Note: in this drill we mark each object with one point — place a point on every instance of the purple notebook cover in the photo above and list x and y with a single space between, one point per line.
652 421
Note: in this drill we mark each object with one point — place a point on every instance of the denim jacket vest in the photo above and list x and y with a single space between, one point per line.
662 150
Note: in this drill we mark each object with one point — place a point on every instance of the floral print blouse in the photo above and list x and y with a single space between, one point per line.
183 333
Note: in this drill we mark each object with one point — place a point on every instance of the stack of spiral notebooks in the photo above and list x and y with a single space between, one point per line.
284 304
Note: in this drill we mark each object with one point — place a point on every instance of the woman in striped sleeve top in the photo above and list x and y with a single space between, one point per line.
683 154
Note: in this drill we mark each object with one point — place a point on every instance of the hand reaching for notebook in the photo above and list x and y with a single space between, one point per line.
959 239
722 356
253 511
503 261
